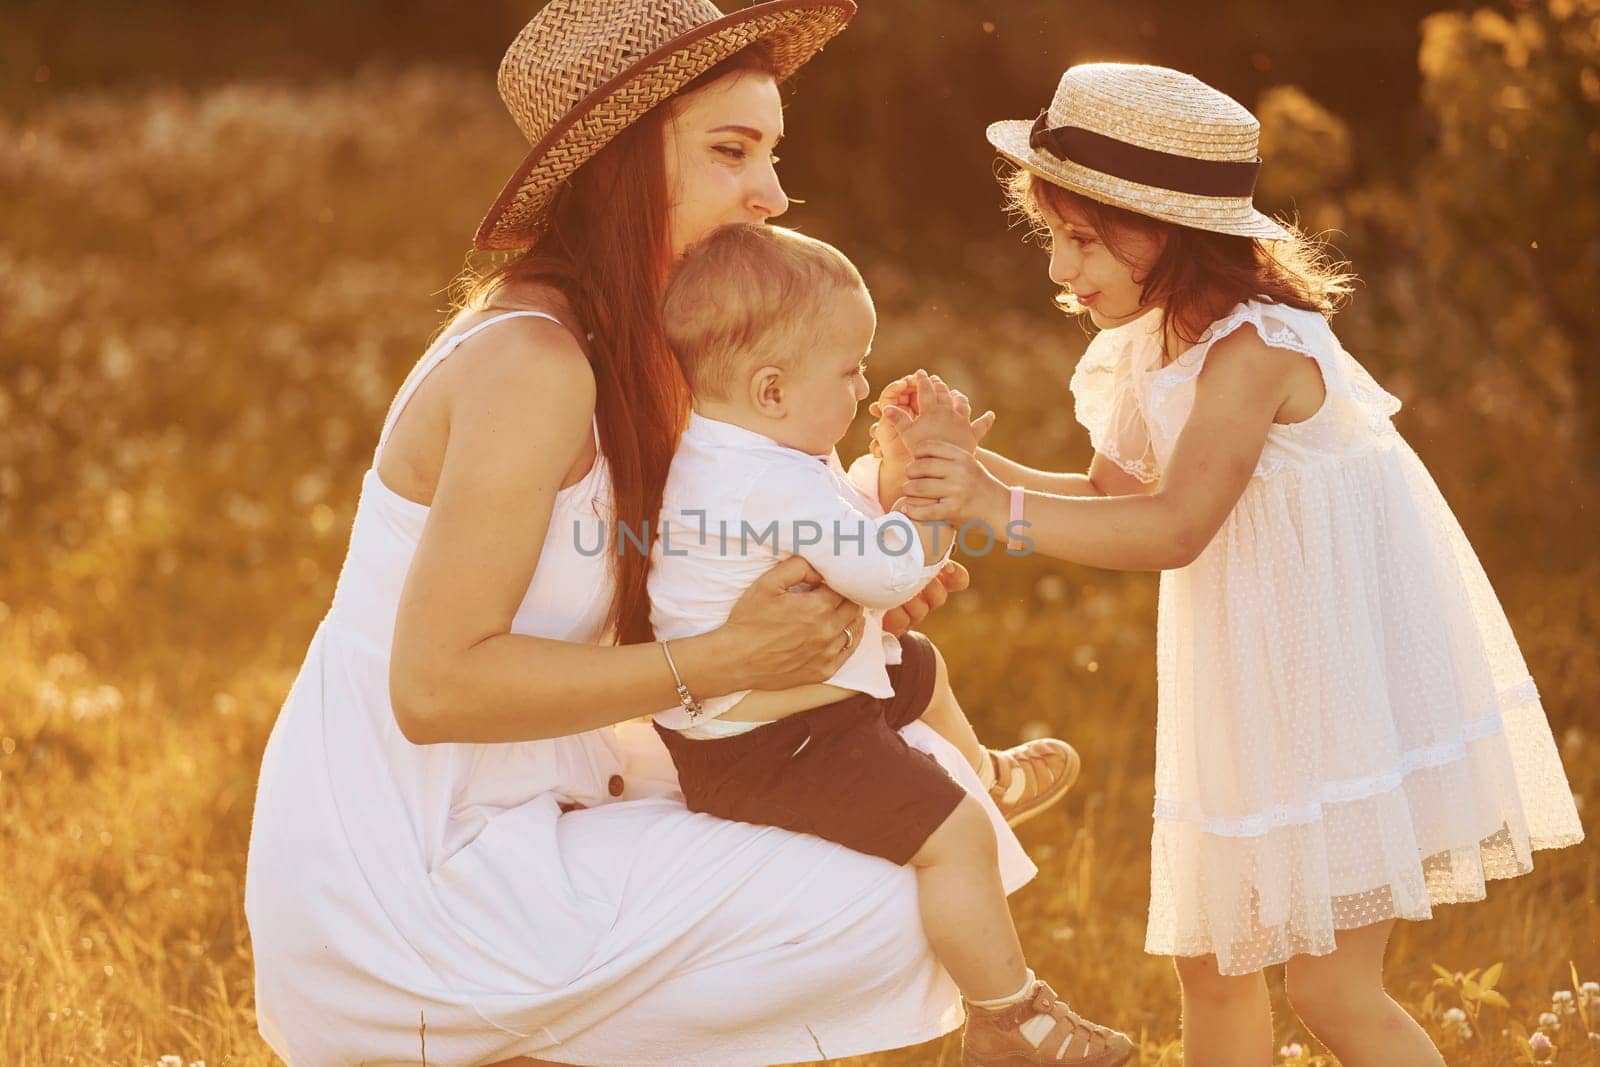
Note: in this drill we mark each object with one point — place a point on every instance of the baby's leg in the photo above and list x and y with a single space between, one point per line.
945 716
1023 781
1012 1018
1340 997
963 905
1227 1020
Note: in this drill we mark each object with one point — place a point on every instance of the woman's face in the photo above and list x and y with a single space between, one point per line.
1109 287
719 144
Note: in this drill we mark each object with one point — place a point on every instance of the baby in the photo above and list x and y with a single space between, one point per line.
773 330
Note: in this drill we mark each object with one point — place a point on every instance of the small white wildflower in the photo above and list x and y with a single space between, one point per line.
1292 1051
1540 1044
170 1061
1563 1002
1549 1021
1453 1017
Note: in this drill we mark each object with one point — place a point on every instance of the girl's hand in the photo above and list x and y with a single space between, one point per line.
946 483
952 579
788 629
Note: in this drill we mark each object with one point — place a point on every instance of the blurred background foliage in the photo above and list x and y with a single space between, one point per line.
226 231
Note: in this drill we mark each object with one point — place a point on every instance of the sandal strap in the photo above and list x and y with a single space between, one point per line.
1030 761
1067 1025
1040 1001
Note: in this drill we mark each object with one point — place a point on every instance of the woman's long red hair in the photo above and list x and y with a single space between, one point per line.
608 252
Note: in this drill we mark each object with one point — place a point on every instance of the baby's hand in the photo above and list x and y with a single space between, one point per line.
902 393
936 413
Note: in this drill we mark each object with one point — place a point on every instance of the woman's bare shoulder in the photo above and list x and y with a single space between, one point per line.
524 357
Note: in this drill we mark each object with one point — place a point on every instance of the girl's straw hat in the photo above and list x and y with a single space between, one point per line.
1152 140
583 70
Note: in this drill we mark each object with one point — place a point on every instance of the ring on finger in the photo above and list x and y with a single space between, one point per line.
849 640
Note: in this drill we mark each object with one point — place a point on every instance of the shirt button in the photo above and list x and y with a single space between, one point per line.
614 786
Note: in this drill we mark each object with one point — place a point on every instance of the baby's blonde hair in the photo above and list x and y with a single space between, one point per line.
746 296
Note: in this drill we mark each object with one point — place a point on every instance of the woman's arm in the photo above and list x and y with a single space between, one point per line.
457 673
1240 390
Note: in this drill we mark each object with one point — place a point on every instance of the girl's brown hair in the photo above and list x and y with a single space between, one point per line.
1198 275
608 252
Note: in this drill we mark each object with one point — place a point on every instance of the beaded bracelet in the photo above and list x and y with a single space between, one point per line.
694 707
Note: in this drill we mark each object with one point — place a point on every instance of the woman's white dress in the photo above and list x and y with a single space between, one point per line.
1346 730
405 900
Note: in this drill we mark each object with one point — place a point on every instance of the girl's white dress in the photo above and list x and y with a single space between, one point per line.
434 904
1346 730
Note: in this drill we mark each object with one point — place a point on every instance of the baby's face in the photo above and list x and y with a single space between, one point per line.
828 383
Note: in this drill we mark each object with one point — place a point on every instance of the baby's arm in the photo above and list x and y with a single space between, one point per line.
876 562
1240 389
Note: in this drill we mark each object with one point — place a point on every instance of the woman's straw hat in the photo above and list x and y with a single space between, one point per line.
1150 139
583 70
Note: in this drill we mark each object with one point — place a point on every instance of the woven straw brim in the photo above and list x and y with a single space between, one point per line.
1219 214
795 30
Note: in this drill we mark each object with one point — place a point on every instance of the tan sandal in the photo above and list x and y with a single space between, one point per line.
1040 1030
1032 776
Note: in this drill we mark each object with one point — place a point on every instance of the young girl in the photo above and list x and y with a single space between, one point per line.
1347 733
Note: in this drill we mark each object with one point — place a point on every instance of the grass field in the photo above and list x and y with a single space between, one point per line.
209 299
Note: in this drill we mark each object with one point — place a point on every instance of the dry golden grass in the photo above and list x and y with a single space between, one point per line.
209 299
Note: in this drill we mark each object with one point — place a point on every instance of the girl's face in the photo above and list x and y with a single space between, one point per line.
719 157
1109 287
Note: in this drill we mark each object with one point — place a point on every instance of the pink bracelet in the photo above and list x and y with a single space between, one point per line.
1017 494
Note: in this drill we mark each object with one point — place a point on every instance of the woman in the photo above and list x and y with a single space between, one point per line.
453 856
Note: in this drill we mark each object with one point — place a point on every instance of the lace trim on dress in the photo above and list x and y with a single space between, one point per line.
1107 402
1439 754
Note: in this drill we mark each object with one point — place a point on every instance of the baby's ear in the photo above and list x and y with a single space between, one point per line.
766 392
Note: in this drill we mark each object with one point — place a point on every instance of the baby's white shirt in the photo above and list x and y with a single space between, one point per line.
736 502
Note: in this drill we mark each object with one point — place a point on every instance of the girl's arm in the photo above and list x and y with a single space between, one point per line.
1104 478
1240 389
458 673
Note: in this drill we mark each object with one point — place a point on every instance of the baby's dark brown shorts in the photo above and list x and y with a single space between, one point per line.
841 772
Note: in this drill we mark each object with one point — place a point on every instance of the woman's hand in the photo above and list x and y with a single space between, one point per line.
952 579
945 483
788 629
